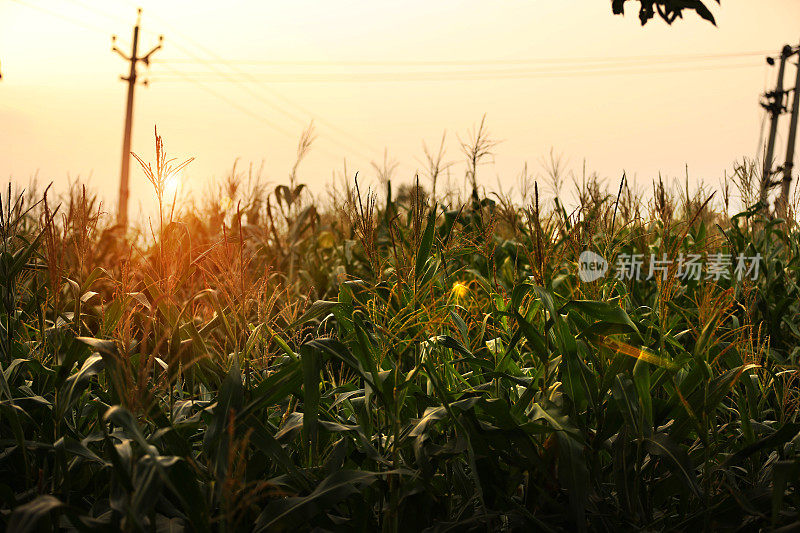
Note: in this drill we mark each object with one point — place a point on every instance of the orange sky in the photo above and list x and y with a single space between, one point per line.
261 70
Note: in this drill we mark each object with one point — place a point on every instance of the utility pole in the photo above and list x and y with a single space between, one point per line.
122 209
776 108
783 201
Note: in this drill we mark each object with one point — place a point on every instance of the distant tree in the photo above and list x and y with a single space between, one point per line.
669 10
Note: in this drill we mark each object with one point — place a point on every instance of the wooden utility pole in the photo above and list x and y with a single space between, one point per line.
788 166
122 209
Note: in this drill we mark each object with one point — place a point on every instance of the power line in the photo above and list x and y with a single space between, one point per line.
235 104
66 18
249 112
455 62
93 9
209 90
430 76
230 77
260 96
547 68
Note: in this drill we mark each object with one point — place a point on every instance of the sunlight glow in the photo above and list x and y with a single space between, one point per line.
460 290
172 185
636 353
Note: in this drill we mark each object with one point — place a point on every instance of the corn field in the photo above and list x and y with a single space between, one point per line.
395 360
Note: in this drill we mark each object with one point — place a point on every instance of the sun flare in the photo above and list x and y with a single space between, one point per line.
172 185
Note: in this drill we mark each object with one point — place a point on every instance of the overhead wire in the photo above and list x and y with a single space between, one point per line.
93 9
61 16
471 62
227 100
259 96
236 105
565 67
484 75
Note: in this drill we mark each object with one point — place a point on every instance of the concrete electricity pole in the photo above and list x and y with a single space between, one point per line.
776 108
122 209
783 201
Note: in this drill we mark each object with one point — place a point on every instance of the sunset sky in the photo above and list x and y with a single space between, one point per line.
241 79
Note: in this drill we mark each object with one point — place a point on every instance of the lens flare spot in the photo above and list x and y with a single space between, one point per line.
459 290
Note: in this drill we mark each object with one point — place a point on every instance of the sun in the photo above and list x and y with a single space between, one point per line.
172 185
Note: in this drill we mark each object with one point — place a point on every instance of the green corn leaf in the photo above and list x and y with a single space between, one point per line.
290 513
661 445
426 244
